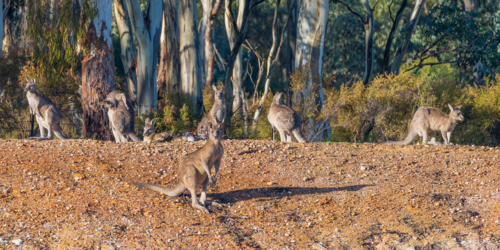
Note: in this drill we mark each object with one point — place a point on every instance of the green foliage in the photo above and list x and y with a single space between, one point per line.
453 35
58 41
14 116
178 113
392 100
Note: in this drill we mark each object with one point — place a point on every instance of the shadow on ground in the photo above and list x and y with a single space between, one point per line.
277 192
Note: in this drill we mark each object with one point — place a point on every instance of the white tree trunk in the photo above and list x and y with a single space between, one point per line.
190 63
309 53
238 67
148 42
400 53
128 54
207 9
169 70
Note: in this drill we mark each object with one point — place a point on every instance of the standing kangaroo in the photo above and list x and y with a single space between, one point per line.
195 169
285 120
428 120
121 117
150 134
216 115
46 113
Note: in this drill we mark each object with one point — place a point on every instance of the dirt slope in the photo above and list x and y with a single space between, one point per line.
296 196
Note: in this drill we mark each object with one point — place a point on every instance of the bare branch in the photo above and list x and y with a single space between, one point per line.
353 12
375 5
390 13
431 64
256 3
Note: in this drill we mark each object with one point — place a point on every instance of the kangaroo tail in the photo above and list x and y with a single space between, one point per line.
409 139
134 137
176 191
298 135
57 132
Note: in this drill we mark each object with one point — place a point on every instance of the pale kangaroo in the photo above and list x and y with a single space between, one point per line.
150 134
121 117
285 120
195 169
216 115
46 113
429 120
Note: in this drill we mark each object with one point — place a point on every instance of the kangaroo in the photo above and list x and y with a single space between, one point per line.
285 120
216 115
150 134
46 113
427 120
195 170
121 117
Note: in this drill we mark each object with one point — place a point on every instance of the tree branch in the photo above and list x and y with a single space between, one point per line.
353 12
375 5
256 3
420 65
390 12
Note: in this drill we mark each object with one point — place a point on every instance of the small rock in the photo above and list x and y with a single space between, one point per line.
169 240
78 176
362 168
271 183
307 179
18 242
287 235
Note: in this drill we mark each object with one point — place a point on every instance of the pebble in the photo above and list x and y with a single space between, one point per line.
78 176
18 242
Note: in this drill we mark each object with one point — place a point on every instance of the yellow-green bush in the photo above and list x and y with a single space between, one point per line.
176 113
390 102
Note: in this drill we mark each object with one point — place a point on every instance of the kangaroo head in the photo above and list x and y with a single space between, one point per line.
109 103
277 98
219 93
31 85
216 132
455 113
149 127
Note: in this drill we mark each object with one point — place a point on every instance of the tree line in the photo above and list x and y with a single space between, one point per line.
151 49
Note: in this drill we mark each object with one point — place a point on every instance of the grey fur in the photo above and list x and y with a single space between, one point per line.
46 113
121 117
216 115
429 120
285 120
195 170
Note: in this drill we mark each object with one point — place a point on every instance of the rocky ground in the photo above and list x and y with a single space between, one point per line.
78 194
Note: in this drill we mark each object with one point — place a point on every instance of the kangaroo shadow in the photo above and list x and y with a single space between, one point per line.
277 192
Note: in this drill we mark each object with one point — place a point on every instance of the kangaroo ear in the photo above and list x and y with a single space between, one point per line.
451 108
214 88
28 80
153 121
146 121
459 107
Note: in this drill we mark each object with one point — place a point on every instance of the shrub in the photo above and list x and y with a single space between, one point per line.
178 114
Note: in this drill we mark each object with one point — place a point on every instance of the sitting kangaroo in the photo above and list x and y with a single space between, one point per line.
150 134
216 115
427 120
46 113
121 117
285 120
195 169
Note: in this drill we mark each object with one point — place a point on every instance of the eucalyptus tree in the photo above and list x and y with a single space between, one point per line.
368 25
147 33
98 70
311 29
191 72
169 79
410 27
127 48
